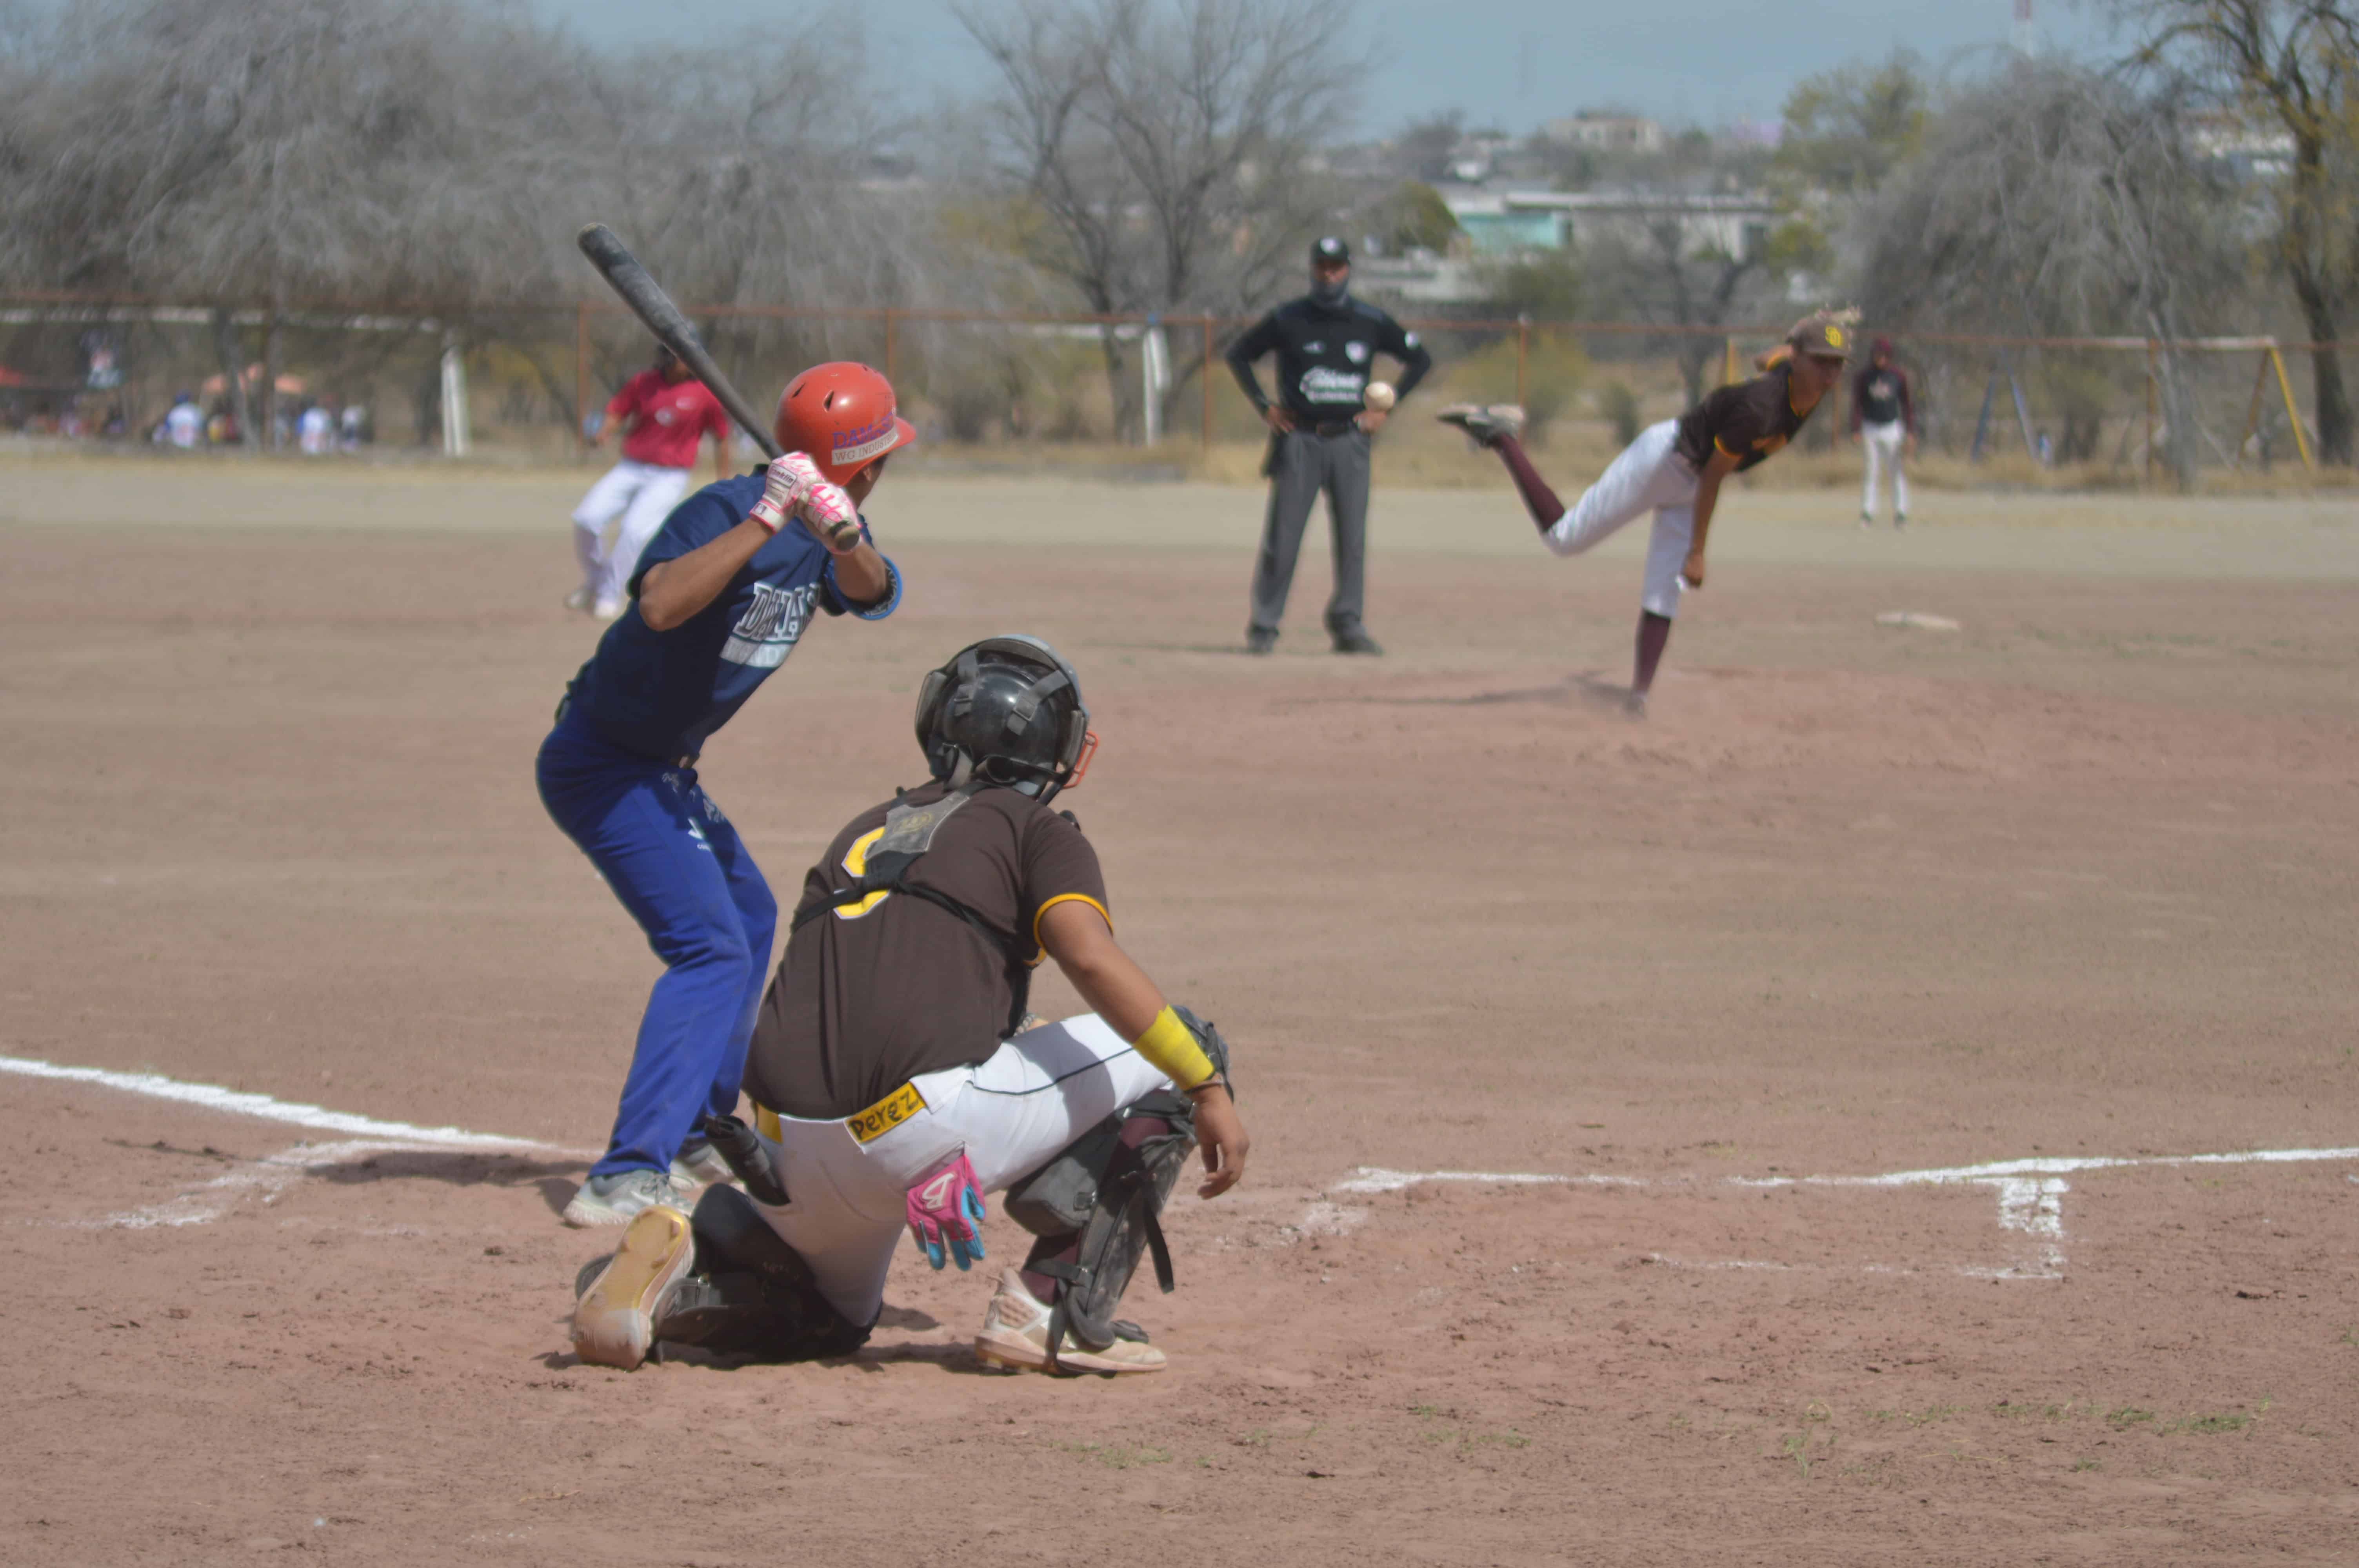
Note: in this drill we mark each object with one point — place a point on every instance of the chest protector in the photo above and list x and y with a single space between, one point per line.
908 835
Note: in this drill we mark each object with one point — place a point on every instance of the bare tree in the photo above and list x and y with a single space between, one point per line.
2054 201
2293 64
1164 149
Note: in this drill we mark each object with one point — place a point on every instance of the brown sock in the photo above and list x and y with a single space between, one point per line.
1654 637
1539 499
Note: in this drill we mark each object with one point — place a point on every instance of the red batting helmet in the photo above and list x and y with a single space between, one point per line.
842 416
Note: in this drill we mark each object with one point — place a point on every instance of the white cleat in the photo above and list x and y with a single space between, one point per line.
699 1165
1483 424
1015 1336
614 1322
606 609
621 1198
578 600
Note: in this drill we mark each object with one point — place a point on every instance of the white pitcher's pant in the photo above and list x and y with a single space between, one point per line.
845 1207
1647 476
644 494
1886 445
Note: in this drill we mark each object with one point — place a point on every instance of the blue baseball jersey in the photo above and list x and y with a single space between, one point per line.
661 693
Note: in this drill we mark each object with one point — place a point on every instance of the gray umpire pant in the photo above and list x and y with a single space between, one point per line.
1301 464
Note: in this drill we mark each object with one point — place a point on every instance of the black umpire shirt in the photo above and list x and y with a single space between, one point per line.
1323 353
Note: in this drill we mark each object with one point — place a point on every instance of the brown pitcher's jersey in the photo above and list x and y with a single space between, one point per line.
1749 420
874 993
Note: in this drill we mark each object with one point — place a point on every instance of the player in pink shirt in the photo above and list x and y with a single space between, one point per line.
664 412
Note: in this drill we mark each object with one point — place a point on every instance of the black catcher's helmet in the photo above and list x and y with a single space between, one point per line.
1007 711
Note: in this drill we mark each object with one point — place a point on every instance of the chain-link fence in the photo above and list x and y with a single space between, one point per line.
523 383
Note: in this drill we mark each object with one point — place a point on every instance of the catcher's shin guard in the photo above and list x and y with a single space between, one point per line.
752 1295
1096 1207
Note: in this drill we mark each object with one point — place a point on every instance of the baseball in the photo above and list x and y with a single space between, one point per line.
1379 397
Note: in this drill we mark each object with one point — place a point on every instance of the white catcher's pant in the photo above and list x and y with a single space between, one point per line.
1886 445
1013 1113
644 494
1647 476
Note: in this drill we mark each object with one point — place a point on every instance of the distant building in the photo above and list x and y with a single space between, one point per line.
2244 150
1502 223
1606 133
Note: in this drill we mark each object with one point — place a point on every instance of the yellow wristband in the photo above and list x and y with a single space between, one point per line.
1172 1048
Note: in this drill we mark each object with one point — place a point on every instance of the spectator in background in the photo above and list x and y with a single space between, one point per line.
354 424
315 430
1884 417
184 423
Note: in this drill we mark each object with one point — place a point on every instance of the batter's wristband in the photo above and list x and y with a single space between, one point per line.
1171 1046
767 515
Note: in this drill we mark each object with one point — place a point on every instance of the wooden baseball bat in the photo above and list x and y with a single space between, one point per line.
651 305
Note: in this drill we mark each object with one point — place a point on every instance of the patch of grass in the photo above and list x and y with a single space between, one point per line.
2350 1337
1118 1456
1929 1416
2210 1426
1510 1438
2088 1464
1425 1410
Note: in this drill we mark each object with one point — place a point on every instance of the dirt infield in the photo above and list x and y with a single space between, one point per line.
2012 918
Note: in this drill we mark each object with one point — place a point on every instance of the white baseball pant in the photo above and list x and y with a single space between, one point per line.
644 494
1013 1113
1886 446
1648 475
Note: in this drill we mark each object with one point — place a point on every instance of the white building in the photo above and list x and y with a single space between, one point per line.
1608 133
1501 223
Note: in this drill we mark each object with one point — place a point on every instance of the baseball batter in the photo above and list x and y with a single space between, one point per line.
1884 419
897 1077
1674 469
719 599
663 412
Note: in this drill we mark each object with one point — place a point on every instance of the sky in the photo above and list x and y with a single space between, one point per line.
1510 63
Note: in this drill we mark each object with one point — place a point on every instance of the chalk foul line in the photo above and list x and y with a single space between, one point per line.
238 1102
269 1177
2031 1194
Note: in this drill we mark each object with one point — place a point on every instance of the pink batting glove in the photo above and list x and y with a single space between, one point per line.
831 517
790 479
945 1210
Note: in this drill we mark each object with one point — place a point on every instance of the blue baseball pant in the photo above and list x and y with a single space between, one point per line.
677 866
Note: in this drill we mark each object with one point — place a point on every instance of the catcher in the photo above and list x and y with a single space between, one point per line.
1674 469
896 1077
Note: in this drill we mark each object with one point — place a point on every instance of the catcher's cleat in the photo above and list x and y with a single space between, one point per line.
1015 1336
699 1165
614 1322
1484 425
620 1198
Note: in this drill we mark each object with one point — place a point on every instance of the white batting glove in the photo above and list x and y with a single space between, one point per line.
790 480
831 518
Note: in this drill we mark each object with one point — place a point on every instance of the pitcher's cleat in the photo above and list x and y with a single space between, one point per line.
699 1165
620 1198
614 1322
1483 424
1015 1336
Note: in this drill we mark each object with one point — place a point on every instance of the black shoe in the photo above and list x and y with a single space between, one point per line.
1356 641
1260 639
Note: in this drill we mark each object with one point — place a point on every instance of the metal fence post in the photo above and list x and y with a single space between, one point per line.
1204 374
582 383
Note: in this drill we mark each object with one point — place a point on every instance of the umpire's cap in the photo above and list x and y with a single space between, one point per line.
1331 252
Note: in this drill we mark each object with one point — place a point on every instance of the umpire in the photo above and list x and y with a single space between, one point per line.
1319 435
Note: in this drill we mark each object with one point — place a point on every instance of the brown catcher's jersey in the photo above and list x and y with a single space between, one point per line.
875 992
1750 420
